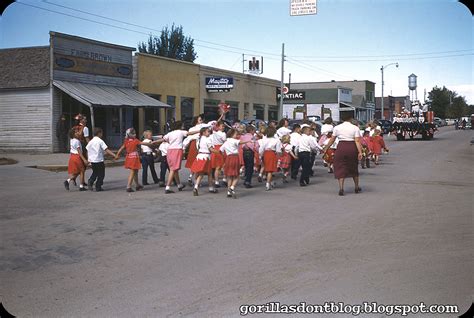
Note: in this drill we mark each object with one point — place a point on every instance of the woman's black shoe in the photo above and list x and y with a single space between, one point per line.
341 192
358 190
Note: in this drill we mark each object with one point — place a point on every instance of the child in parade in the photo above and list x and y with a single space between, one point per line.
148 159
132 159
190 144
366 144
295 137
328 156
77 162
270 148
163 148
96 148
249 153
218 138
232 164
174 154
377 145
202 164
287 157
307 145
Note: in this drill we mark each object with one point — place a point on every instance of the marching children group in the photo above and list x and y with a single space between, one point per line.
211 152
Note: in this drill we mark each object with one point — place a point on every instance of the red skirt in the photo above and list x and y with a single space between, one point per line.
174 158
217 159
256 160
285 160
270 161
192 153
329 156
132 161
201 166
232 166
346 163
75 164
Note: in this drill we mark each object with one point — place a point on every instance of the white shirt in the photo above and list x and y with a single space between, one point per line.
325 128
164 148
282 131
175 138
308 143
287 148
295 139
85 131
272 143
75 144
218 138
231 146
146 149
203 147
346 131
95 150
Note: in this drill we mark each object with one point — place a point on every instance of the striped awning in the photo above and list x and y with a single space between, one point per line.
94 95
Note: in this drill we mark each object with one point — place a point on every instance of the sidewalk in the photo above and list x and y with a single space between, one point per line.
51 161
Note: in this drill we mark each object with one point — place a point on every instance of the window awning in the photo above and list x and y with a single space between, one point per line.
94 95
345 107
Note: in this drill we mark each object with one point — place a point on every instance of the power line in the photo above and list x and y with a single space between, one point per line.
151 29
391 59
388 55
317 69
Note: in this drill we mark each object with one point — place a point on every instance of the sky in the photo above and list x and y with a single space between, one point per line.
345 40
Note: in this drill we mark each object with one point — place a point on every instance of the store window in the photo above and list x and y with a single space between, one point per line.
211 109
152 120
187 110
272 112
171 112
259 110
233 113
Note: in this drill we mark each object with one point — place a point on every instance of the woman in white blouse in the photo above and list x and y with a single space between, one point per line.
348 152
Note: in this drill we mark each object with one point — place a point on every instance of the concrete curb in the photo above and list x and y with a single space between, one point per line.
59 168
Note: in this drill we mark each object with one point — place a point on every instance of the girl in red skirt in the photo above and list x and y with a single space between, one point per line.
202 164
190 142
232 163
217 159
77 162
286 157
377 145
271 146
132 159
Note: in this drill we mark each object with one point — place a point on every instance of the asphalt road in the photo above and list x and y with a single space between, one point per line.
407 238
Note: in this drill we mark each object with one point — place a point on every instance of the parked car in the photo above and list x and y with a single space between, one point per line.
439 122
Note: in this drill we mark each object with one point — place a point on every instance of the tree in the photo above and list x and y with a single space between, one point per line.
447 104
171 43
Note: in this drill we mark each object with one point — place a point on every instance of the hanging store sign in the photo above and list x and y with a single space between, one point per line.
291 95
219 84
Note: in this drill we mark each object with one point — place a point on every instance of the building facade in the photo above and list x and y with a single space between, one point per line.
392 105
72 75
197 89
363 94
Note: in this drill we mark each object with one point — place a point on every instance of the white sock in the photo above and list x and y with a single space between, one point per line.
167 188
196 186
268 185
211 188
216 183
260 175
232 188
81 186
68 180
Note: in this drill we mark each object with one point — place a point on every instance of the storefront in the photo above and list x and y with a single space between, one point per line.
73 75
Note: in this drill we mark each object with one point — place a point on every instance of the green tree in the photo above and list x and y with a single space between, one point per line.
439 101
171 43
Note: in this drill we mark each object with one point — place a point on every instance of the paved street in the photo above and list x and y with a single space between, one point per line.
406 239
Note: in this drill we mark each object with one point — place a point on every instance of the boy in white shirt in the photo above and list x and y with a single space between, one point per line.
96 148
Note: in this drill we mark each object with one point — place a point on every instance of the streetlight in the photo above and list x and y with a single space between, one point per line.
381 105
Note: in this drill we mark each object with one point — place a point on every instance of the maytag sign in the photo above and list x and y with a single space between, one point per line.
219 84
291 95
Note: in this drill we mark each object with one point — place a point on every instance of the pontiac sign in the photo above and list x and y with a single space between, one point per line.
219 84
291 95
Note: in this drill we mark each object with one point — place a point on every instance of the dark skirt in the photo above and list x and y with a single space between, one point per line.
345 160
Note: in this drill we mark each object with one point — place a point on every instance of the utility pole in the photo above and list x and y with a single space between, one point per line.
282 84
